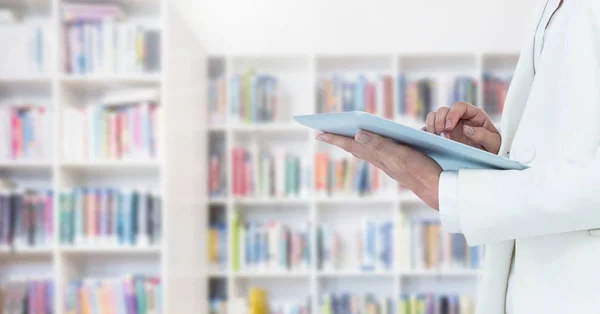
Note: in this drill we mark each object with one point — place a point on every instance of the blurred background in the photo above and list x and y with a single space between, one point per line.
149 162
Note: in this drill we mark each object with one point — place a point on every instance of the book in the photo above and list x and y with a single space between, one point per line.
27 296
124 295
341 303
217 99
423 303
217 244
374 245
495 88
30 43
269 173
217 174
271 246
26 217
418 96
100 41
125 132
26 132
109 217
432 249
373 94
259 303
254 98
343 176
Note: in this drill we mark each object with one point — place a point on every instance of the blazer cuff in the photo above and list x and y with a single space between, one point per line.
448 199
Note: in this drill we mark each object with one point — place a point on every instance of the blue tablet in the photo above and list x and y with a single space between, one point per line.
449 154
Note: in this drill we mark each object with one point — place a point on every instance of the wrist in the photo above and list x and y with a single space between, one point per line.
426 187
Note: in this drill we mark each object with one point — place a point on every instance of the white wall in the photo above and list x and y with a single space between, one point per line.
358 26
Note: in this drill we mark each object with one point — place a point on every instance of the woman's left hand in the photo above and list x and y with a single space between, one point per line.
415 170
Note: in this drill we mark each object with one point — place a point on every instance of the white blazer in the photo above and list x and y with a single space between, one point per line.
553 208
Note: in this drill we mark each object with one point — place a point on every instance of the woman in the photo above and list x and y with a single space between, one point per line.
542 249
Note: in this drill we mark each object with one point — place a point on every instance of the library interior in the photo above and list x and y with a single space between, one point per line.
150 163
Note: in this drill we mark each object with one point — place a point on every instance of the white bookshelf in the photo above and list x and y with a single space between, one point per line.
298 76
176 261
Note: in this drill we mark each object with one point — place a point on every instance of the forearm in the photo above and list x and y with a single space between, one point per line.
555 197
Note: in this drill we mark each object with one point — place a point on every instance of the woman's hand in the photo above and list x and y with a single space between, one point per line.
409 167
467 124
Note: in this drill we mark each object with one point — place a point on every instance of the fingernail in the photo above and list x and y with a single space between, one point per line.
320 137
443 134
469 130
362 138
448 123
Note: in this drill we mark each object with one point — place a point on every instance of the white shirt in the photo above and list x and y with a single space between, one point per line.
448 185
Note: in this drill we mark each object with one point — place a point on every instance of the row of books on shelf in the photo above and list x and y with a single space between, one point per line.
342 303
373 244
26 132
30 44
416 98
27 296
110 217
217 244
371 94
421 245
255 98
347 175
431 248
26 218
98 40
126 295
426 303
495 88
217 174
259 303
217 100
268 173
348 303
127 131
269 246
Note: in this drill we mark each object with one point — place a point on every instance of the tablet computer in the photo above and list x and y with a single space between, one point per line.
449 154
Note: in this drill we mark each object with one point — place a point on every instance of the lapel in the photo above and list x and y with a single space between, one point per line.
518 93
492 289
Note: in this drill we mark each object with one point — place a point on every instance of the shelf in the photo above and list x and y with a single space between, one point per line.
257 201
218 201
355 200
97 81
99 250
215 272
442 273
112 165
216 128
25 165
355 273
26 252
270 128
271 274
23 81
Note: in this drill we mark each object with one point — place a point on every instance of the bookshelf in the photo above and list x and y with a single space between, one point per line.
174 171
299 77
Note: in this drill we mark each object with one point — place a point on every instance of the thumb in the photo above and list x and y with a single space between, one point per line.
490 141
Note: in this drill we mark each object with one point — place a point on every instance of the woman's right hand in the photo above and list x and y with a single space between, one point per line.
466 124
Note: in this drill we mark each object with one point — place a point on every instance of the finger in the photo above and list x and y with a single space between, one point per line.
346 143
430 122
460 110
382 146
489 140
440 119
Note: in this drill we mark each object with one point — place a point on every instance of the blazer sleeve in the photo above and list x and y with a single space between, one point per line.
560 195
